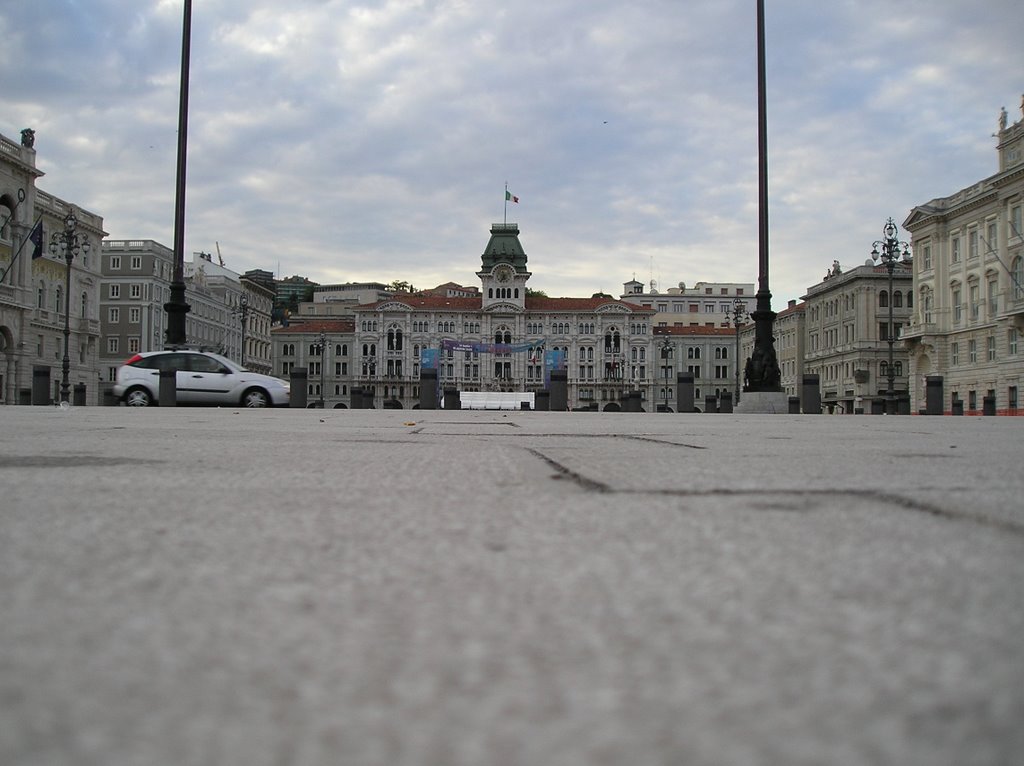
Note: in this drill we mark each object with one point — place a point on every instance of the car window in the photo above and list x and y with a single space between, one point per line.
200 363
169 361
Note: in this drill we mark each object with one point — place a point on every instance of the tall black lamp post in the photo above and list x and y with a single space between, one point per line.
892 251
666 358
738 318
177 307
69 242
762 370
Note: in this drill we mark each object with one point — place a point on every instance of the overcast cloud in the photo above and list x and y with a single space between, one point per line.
351 141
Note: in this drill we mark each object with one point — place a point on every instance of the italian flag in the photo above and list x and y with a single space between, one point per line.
510 196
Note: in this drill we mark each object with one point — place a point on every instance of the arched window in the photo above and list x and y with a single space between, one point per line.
1018 277
897 299
85 305
41 296
898 367
883 299
58 300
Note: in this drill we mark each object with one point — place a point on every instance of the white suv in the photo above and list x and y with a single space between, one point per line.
202 378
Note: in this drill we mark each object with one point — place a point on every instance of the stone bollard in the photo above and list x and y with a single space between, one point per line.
710 403
725 405
168 388
684 392
933 396
299 389
41 385
542 400
634 402
810 394
958 407
78 397
559 391
428 389
451 399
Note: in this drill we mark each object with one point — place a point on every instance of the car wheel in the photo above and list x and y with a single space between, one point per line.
255 397
138 397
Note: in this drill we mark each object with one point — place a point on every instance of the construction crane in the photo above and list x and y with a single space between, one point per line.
219 258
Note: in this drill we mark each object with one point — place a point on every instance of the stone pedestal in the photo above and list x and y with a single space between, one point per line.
763 403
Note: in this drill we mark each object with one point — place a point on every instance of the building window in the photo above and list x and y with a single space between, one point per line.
136 262
972 351
134 314
883 299
975 293
955 250
1011 398
991 245
114 315
1018 277
135 291
1011 340
955 299
115 262
115 291
954 354
972 243
113 345
133 345
926 257
991 347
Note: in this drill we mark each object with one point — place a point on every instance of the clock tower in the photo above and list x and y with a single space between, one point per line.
503 272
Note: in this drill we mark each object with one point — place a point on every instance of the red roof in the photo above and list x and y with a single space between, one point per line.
533 304
313 325
694 331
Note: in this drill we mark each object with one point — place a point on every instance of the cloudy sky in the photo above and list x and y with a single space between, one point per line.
350 141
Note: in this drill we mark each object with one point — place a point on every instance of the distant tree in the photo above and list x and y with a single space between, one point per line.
401 286
602 295
531 293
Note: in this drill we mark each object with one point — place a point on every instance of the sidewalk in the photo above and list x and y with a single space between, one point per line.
215 586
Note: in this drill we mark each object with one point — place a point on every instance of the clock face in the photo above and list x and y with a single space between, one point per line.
503 274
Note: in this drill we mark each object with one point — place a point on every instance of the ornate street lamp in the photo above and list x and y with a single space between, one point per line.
322 345
892 251
69 242
243 310
666 356
738 319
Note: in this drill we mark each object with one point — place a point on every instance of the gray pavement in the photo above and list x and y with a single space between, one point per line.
384 587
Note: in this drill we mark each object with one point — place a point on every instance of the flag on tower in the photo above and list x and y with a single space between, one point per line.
510 196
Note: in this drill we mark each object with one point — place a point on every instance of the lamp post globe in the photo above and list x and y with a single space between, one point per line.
68 243
887 252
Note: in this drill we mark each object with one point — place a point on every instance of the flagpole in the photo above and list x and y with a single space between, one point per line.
504 218
21 247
